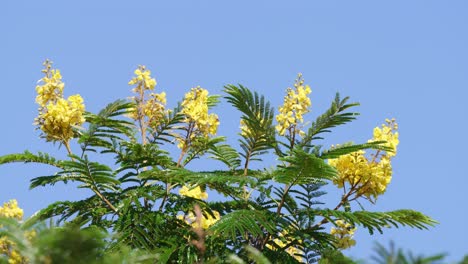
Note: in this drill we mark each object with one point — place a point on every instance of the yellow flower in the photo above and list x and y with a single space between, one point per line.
343 233
195 192
149 112
206 221
51 86
296 103
370 177
57 116
195 110
11 210
154 109
142 79
388 133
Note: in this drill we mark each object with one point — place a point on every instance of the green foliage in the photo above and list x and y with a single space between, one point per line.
68 244
257 115
379 220
333 117
303 168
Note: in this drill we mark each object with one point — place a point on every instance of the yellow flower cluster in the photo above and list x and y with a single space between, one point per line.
11 210
59 119
290 250
368 177
142 79
7 248
51 87
193 192
343 233
195 109
153 110
296 104
207 220
387 133
57 116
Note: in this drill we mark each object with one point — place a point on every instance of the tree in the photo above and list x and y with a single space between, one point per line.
153 203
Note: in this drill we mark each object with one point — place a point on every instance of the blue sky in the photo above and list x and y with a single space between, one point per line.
402 59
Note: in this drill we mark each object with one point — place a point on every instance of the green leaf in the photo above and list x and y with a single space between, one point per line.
226 154
379 220
27 157
257 115
93 174
104 126
338 151
303 168
243 221
164 132
333 117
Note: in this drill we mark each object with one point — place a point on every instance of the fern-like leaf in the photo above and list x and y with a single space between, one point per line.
244 221
257 115
226 154
350 148
333 117
105 126
26 157
303 168
377 220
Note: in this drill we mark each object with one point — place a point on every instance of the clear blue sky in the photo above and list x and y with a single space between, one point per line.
402 59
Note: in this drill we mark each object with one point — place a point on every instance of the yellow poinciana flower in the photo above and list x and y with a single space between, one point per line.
60 117
51 86
11 210
387 133
195 109
193 192
296 104
142 79
57 116
154 109
207 220
343 233
368 176
149 111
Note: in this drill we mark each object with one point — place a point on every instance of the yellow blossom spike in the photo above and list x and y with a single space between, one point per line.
195 109
57 116
296 103
143 79
50 87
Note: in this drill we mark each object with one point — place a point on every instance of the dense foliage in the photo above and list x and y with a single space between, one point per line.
151 208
